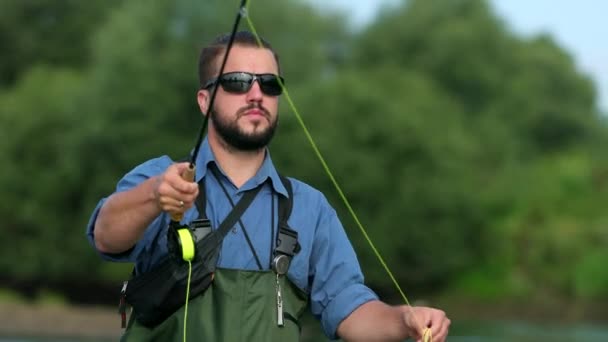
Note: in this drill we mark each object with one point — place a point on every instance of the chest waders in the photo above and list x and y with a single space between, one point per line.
225 304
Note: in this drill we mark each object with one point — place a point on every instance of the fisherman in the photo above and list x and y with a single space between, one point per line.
260 248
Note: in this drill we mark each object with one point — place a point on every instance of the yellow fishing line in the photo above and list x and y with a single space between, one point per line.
334 182
427 335
187 297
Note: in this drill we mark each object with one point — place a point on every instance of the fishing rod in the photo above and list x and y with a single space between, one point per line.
191 170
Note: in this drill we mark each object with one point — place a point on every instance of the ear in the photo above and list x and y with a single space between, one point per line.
202 97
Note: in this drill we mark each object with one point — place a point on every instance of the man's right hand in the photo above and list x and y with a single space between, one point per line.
125 215
172 192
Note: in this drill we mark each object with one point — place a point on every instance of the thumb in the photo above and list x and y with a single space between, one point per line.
185 171
182 166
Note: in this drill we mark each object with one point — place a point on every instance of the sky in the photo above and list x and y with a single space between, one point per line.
577 26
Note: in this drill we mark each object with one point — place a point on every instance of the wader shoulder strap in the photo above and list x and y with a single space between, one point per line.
285 203
201 200
287 238
237 211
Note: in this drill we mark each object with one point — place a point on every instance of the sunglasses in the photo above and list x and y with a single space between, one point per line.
239 82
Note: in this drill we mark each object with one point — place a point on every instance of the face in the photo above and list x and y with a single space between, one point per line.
244 121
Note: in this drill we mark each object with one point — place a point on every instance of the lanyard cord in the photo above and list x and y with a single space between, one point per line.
272 238
255 255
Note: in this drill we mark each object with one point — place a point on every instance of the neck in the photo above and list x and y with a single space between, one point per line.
239 166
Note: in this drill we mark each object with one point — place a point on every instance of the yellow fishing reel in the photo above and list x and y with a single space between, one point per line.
186 243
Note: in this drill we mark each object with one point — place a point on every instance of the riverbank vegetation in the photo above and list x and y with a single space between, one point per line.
473 157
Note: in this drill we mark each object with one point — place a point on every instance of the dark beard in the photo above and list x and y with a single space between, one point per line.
230 132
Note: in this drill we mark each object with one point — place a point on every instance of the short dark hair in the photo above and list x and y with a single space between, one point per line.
209 54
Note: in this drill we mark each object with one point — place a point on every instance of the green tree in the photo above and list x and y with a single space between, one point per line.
530 86
50 32
41 177
517 100
442 127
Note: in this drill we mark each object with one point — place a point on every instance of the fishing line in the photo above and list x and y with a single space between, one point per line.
243 12
426 331
187 297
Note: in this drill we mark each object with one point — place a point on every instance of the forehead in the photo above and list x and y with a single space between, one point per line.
251 59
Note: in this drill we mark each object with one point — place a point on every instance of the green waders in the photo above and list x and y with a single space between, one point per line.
238 306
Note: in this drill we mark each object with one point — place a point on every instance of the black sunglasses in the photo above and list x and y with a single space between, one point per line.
239 82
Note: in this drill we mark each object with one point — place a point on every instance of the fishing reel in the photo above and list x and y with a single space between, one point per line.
182 239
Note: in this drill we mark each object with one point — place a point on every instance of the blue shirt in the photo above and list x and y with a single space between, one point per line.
326 267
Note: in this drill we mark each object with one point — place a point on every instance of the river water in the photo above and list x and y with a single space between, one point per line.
494 331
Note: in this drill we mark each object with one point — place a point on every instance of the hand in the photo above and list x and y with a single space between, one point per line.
173 194
417 319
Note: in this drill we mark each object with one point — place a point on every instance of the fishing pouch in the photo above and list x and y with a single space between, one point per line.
156 294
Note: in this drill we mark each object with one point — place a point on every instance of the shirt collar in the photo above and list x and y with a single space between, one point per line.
206 158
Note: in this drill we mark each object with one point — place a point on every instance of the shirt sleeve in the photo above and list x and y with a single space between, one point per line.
130 180
337 287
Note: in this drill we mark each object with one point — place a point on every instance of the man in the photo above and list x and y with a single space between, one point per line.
249 299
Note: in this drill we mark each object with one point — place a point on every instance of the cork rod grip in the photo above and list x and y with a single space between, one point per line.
187 175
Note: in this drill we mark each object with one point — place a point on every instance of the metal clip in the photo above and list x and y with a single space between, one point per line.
280 321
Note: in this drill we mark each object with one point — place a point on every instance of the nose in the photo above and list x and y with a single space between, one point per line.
255 93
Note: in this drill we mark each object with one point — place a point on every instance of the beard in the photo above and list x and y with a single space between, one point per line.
234 136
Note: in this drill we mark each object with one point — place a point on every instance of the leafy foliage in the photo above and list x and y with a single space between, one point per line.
473 157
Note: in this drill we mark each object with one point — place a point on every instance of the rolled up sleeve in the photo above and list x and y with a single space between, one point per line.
129 181
337 287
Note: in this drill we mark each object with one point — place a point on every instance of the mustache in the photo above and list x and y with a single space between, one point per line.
261 108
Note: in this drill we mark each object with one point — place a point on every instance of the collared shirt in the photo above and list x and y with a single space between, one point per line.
326 267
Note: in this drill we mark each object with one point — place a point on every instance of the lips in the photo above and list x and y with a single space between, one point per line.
254 112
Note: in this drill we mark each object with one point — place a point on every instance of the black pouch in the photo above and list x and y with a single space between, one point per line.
158 293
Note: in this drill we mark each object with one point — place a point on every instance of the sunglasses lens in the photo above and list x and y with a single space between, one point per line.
237 83
270 85
240 82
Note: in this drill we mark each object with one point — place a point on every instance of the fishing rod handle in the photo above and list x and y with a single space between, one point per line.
187 175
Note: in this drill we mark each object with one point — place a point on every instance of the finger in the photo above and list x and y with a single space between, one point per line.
185 171
176 203
182 167
174 189
427 325
170 204
174 206
442 333
416 320
436 329
181 185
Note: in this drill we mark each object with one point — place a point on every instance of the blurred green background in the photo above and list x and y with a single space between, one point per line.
473 157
